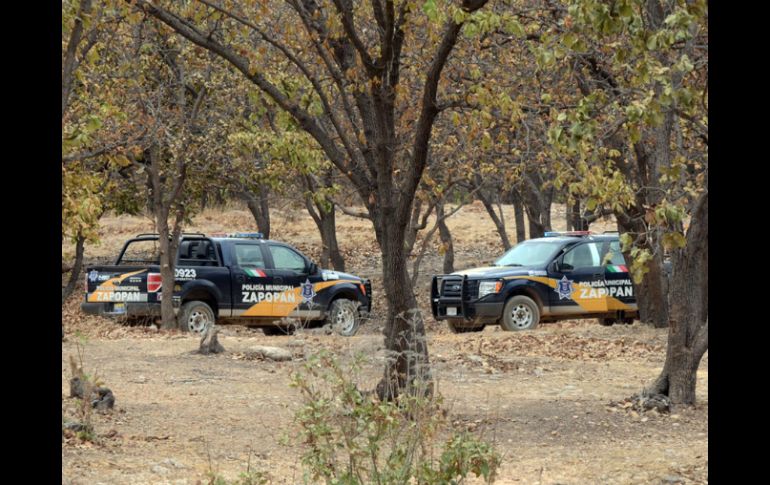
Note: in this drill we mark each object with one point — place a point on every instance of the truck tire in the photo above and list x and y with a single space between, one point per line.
458 325
607 321
520 313
196 316
344 317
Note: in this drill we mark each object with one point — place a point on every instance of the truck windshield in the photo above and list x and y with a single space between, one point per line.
535 252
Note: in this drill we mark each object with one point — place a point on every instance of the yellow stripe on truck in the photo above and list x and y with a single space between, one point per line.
102 292
589 305
285 308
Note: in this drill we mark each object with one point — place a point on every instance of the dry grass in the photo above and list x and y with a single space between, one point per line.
541 396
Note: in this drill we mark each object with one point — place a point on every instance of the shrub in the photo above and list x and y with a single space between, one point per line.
351 437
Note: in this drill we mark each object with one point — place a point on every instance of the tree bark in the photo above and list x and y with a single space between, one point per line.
168 238
651 296
70 62
259 207
498 221
407 366
446 240
325 219
688 325
577 220
76 268
535 228
518 216
537 203
326 222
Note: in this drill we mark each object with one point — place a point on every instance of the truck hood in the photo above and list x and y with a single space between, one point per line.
328 274
501 272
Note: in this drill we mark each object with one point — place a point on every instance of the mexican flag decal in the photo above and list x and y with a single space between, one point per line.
256 273
617 268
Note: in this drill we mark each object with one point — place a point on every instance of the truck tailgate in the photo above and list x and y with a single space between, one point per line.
119 284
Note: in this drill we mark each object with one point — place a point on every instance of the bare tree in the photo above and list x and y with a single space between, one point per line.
363 60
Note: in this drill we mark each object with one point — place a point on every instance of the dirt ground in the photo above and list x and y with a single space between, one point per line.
542 397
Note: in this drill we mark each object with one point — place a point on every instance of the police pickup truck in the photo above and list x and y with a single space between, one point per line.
564 275
229 278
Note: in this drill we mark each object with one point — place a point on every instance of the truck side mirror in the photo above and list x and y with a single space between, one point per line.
313 268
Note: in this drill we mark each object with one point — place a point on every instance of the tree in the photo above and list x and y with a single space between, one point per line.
277 156
636 144
174 93
95 130
369 129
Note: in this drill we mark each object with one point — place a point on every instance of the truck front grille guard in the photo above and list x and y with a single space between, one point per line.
438 285
368 287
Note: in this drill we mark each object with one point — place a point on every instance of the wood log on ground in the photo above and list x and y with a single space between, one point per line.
271 353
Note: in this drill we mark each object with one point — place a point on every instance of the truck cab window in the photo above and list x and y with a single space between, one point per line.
197 252
285 258
249 255
583 256
141 252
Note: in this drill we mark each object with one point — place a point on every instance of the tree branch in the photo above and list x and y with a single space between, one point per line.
351 212
308 122
346 15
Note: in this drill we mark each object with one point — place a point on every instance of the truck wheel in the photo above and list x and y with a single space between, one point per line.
457 325
607 321
520 313
344 317
196 316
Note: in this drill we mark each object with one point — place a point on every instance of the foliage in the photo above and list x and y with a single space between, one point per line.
635 140
351 437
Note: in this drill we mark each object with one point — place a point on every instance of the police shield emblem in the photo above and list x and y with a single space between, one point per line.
308 293
93 275
564 288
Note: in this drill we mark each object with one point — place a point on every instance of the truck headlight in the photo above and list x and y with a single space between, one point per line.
487 287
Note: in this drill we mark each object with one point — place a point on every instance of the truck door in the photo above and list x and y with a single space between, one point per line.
289 273
250 279
580 284
617 279
199 259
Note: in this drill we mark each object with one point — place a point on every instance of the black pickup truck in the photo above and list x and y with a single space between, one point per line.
565 275
235 278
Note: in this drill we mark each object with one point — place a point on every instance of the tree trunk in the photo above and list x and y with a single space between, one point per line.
518 215
539 215
168 239
76 268
535 228
326 222
578 222
327 226
499 222
407 366
651 295
688 326
446 240
168 243
260 209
